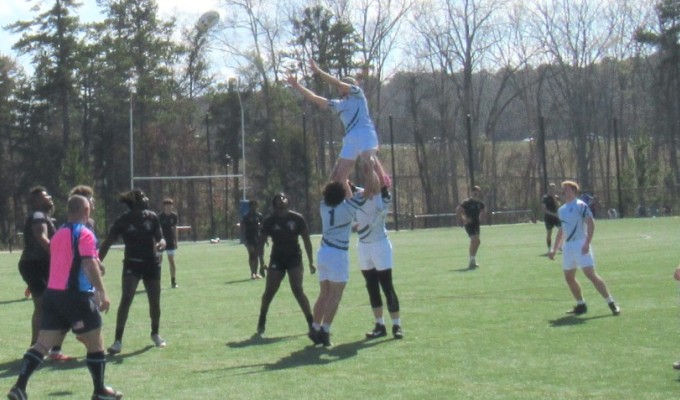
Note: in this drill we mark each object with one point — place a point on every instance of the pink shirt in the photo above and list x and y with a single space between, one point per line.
61 255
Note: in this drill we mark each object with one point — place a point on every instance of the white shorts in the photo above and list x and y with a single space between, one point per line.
170 252
376 255
356 143
332 264
573 258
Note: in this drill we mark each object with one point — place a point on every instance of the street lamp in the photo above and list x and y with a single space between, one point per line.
132 85
210 182
243 133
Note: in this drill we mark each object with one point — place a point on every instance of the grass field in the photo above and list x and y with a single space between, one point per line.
499 332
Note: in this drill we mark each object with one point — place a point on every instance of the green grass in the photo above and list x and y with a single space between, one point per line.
496 333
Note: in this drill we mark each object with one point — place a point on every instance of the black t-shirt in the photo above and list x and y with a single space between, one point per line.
284 232
33 251
551 203
251 224
168 224
472 209
140 231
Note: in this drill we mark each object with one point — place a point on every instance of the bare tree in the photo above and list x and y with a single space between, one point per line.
575 35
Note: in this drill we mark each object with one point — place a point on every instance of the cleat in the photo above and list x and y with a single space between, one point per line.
263 273
676 365
578 309
324 338
615 309
174 286
16 394
473 265
396 332
158 340
378 331
314 336
59 356
108 394
115 348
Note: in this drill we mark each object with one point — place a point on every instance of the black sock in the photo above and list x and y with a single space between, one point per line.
31 361
96 363
172 280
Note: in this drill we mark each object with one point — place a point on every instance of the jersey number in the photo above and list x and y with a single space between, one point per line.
332 214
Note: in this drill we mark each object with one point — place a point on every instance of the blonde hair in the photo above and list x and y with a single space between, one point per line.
572 184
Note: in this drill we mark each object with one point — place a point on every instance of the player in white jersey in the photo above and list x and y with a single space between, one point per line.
375 261
360 140
576 229
337 214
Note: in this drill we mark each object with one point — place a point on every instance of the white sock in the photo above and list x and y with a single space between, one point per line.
610 299
316 326
579 302
396 321
380 321
326 327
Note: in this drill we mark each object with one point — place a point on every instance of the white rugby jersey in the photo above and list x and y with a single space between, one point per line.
572 217
371 219
353 111
337 221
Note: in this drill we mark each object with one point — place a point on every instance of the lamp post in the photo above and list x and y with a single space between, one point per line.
210 182
243 135
132 85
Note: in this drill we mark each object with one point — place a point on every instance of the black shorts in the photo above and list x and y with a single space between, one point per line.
285 263
145 270
64 310
551 222
35 273
472 228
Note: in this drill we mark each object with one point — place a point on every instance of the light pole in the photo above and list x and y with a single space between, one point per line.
243 134
132 85
210 182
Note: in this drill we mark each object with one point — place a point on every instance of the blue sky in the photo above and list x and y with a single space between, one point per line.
186 11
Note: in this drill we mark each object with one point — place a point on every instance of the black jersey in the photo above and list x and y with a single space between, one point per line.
168 225
251 222
33 251
472 208
551 203
140 231
284 232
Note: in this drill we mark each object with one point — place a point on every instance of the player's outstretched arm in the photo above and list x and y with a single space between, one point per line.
310 96
328 78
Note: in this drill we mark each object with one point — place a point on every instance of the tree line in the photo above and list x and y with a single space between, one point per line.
599 80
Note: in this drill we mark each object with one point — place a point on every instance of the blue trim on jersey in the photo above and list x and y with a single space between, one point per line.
325 242
352 122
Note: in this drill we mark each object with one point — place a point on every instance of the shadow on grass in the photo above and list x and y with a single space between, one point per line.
62 393
310 355
11 368
258 340
466 269
120 357
238 281
21 300
570 320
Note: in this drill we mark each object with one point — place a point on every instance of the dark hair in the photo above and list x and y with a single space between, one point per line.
131 198
34 194
278 197
333 194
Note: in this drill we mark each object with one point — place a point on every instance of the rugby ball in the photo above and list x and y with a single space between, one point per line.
208 20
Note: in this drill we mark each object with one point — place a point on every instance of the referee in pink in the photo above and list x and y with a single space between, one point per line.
73 300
